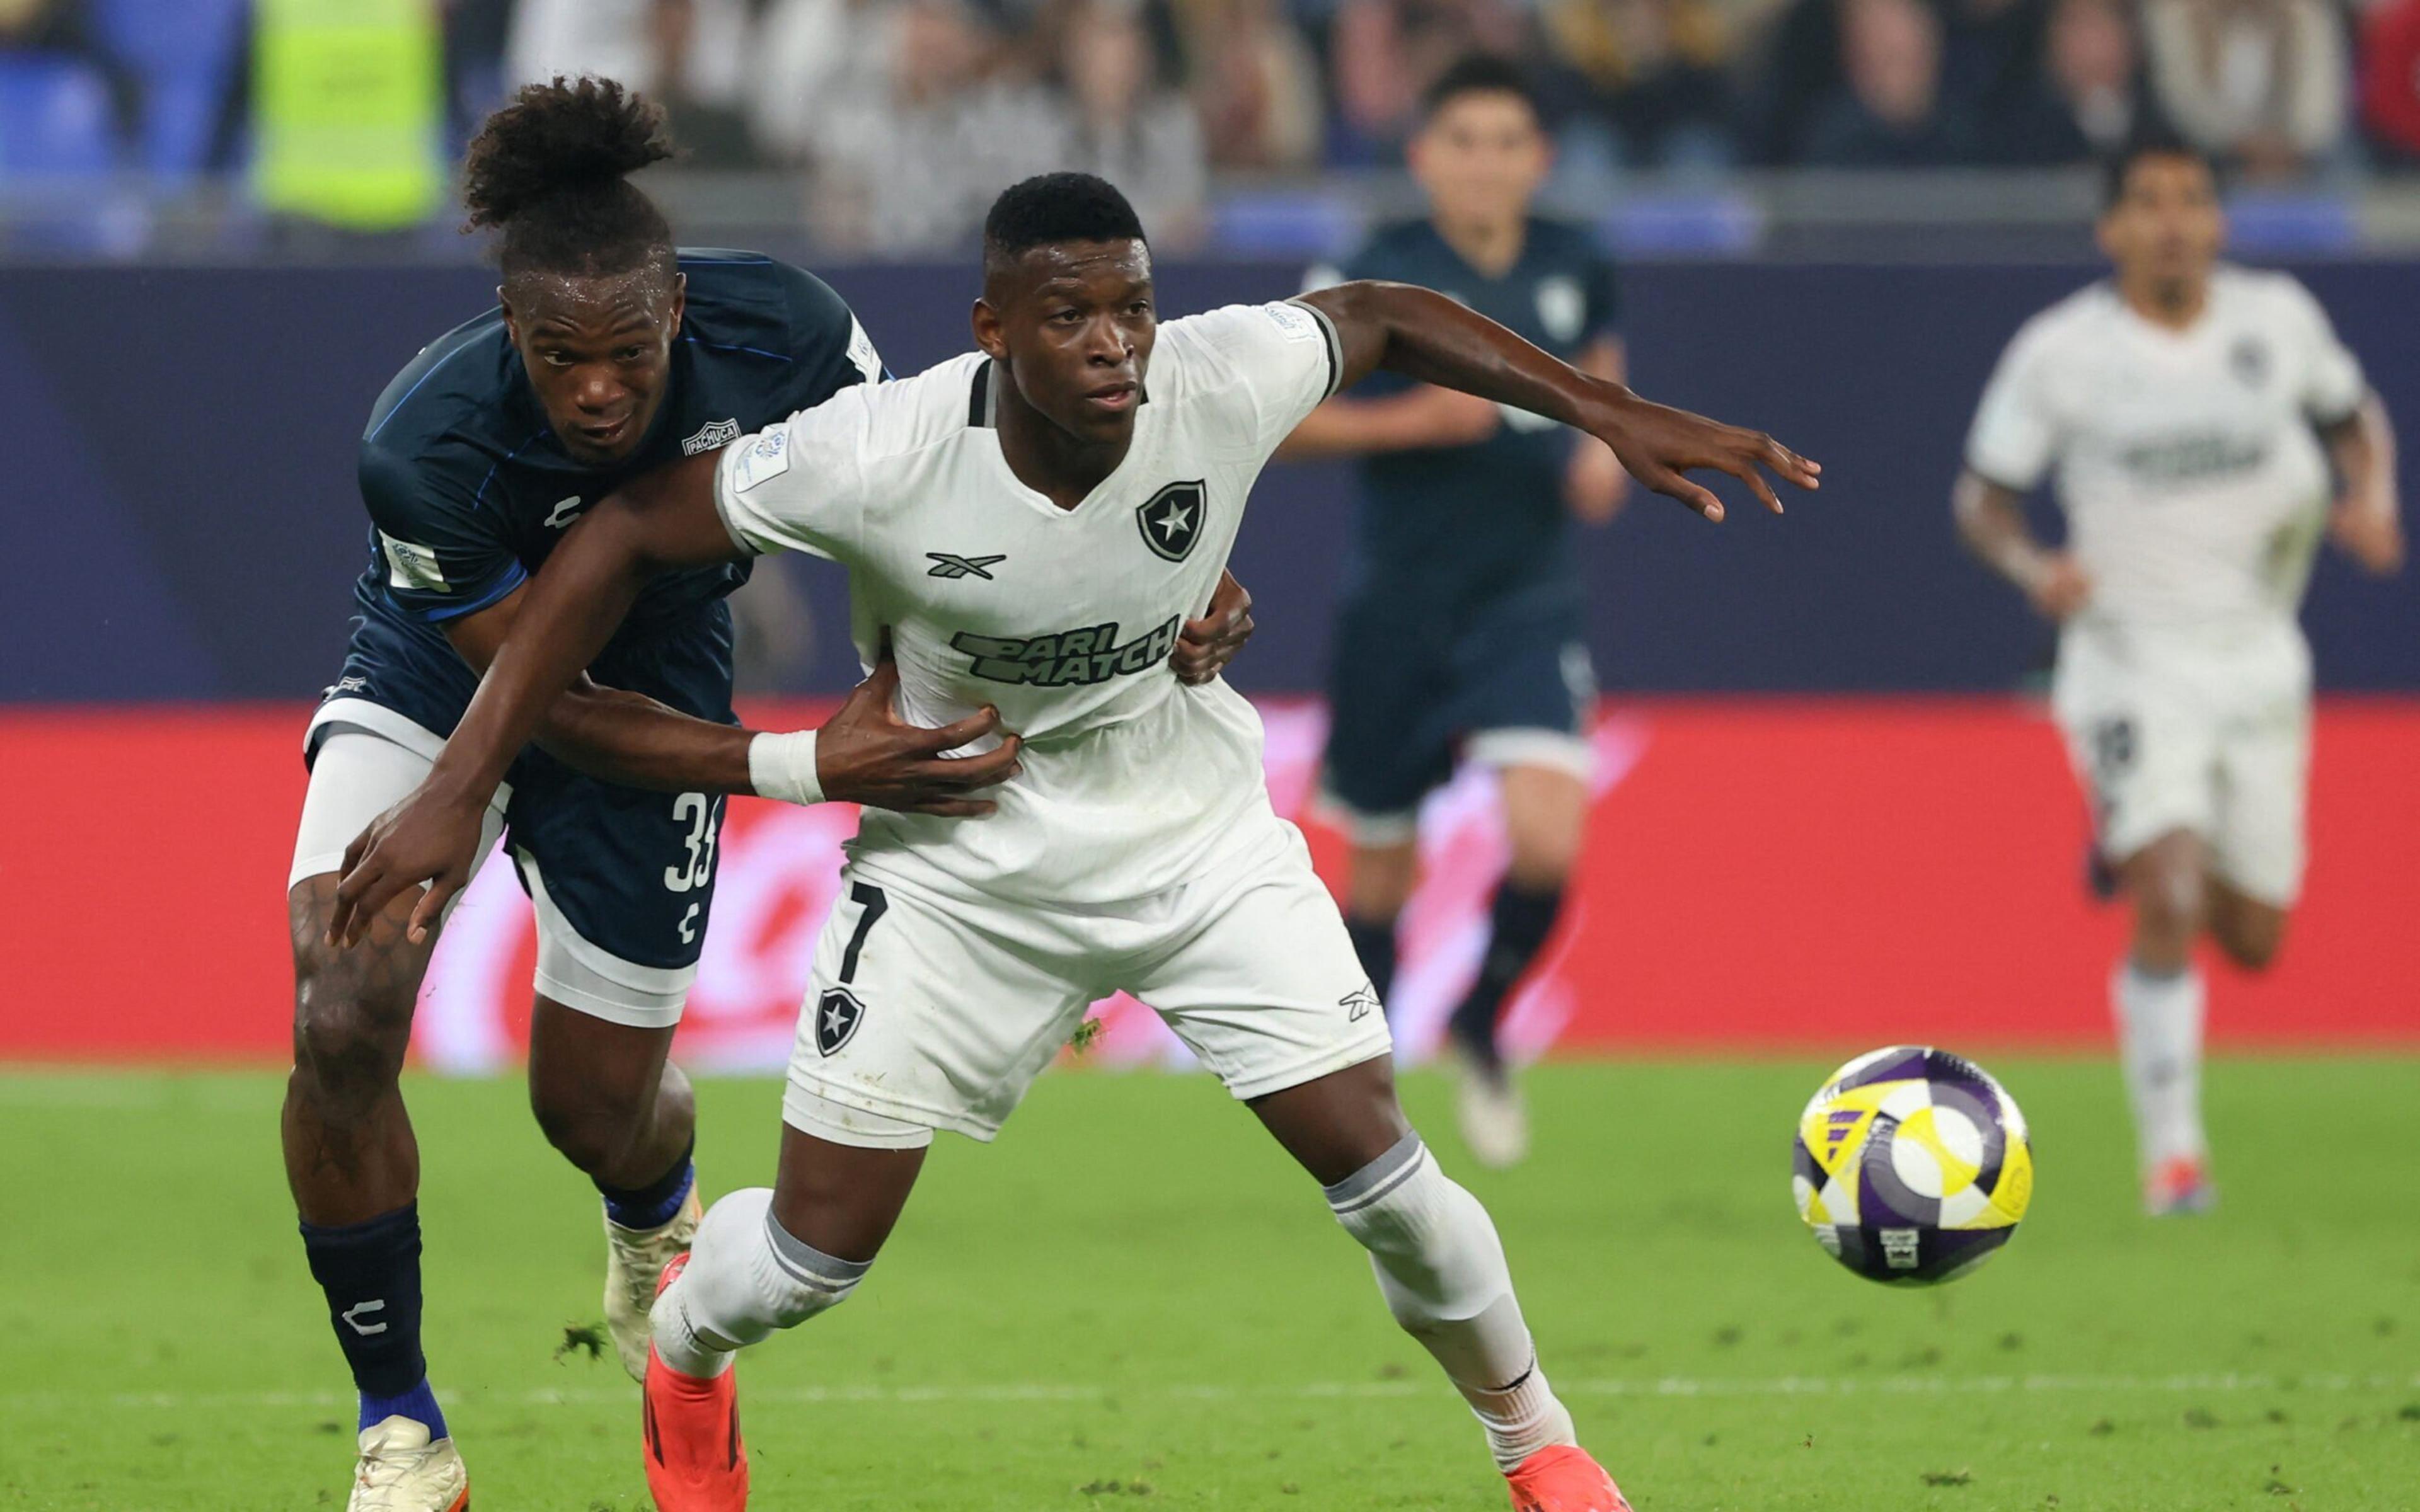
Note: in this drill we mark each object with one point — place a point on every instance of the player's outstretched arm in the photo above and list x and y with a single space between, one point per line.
1424 335
661 522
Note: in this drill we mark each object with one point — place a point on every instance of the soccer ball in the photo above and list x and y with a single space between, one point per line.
1911 1166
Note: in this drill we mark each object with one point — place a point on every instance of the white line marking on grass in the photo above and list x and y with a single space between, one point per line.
1046 1392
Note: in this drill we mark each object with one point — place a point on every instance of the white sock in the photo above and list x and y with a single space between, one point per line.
2158 1037
1441 1269
747 1276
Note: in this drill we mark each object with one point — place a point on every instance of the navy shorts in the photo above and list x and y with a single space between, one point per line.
1506 682
622 878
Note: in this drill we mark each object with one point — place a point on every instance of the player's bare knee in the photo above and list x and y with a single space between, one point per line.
352 1021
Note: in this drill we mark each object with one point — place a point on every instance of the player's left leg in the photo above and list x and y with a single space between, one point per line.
622 882
1265 987
1528 691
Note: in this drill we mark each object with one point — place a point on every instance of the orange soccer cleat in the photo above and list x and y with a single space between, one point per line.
1562 1478
695 1461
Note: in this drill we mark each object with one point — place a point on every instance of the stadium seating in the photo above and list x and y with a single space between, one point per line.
54 117
184 56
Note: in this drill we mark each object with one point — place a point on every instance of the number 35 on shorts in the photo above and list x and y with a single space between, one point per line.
702 817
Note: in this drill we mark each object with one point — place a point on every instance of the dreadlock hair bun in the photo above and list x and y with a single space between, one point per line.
551 172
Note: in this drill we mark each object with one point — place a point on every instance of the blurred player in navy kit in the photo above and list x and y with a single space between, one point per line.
1462 629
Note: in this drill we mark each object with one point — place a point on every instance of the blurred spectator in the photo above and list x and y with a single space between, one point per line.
908 156
1651 70
1793 72
2256 83
48 24
1254 83
1991 52
1121 120
2390 76
2088 99
1386 52
1889 111
691 57
803 51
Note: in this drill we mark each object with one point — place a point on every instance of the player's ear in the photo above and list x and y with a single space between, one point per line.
991 336
512 322
680 302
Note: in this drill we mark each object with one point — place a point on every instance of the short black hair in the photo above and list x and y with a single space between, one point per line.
549 170
1478 74
1058 207
2151 141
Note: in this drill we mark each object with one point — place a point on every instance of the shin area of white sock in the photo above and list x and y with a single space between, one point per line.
1441 1269
2158 1034
747 1276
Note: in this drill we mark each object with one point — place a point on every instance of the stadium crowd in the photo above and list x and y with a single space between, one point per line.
903 114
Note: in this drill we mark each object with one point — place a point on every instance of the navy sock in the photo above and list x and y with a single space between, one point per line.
652 1206
370 1273
1521 921
419 1404
1373 941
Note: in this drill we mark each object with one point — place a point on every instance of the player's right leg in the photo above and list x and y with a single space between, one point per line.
921 1014
1389 741
2144 741
351 1158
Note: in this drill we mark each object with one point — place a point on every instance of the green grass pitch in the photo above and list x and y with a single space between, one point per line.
1133 1300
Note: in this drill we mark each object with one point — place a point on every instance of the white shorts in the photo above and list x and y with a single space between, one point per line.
2209 734
358 774
928 1012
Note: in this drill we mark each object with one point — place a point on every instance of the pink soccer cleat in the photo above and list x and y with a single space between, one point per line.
1562 1478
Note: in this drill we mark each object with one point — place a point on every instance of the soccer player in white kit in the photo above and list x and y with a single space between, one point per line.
1026 527
2191 411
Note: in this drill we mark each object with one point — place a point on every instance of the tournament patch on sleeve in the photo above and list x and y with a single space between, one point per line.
409 566
1297 323
766 457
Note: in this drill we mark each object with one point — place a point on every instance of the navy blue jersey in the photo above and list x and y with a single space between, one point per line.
1474 522
468 488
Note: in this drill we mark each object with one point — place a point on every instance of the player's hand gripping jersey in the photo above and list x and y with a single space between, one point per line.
2194 486
1063 619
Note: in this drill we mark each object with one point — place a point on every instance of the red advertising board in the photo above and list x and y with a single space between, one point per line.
1761 874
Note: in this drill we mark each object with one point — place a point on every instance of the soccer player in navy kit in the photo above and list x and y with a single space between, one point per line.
611 353
1462 629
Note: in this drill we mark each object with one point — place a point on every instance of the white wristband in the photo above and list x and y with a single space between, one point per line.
782 767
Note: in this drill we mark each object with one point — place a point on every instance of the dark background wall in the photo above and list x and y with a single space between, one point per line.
177 517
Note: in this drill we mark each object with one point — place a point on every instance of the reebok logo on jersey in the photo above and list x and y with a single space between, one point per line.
560 515
950 564
1067 658
412 567
1359 1003
1172 519
711 434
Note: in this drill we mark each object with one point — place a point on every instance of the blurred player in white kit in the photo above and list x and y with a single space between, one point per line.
2191 411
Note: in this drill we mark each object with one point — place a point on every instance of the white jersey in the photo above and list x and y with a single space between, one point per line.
2193 484
1063 619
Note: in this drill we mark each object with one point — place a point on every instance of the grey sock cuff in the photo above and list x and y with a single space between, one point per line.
1373 1182
811 1265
